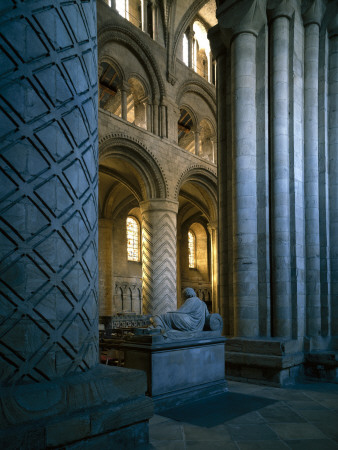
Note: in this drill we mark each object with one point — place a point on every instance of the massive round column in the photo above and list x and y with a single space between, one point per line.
243 53
48 206
280 172
312 19
333 168
159 219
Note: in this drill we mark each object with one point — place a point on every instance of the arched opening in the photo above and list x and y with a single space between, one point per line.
201 50
207 141
120 264
130 10
197 245
136 103
185 125
109 89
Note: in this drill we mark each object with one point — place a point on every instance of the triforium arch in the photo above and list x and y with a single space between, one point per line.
196 192
127 38
187 126
200 89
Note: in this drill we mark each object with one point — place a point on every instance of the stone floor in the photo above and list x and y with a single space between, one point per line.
251 417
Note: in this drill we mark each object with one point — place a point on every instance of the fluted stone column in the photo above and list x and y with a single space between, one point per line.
53 391
106 255
159 220
333 166
312 19
280 171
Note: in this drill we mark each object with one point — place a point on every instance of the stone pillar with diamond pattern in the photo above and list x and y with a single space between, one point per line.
49 264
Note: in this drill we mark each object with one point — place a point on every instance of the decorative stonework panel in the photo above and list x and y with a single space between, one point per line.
48 194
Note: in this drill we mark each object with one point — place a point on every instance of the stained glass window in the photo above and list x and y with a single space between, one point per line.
133 239
192 249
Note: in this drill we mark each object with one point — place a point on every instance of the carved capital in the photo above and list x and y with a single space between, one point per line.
314 13
233 21
333 26
282 9
159 204
125 86
254 20
216 42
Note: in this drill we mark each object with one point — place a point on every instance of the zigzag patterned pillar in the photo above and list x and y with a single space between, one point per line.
159 228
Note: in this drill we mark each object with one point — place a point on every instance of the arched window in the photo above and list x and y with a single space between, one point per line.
136 103
185 49
192 249
201 51
207 141
109 93
133 239
130 10
186 137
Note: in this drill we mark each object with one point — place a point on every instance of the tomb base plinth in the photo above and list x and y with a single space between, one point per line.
179 369
102 408
271 361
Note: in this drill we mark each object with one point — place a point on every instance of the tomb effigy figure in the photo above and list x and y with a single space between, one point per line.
191 316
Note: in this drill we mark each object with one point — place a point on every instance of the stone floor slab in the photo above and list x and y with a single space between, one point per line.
326 416
280 412
314 444
167 445
261 445
214 445
195 433
300 405
289 431
245 432
168 430
253 417
329 429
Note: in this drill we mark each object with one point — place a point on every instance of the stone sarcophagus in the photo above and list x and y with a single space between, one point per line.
180 366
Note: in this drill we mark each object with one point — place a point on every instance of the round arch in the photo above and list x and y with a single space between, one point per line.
200 89
206 180
127 38
152 183
185 21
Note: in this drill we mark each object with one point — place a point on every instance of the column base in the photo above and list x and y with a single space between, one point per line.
105 407
270 361
321 359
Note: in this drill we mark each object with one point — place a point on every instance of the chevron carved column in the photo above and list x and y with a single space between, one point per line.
159 256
